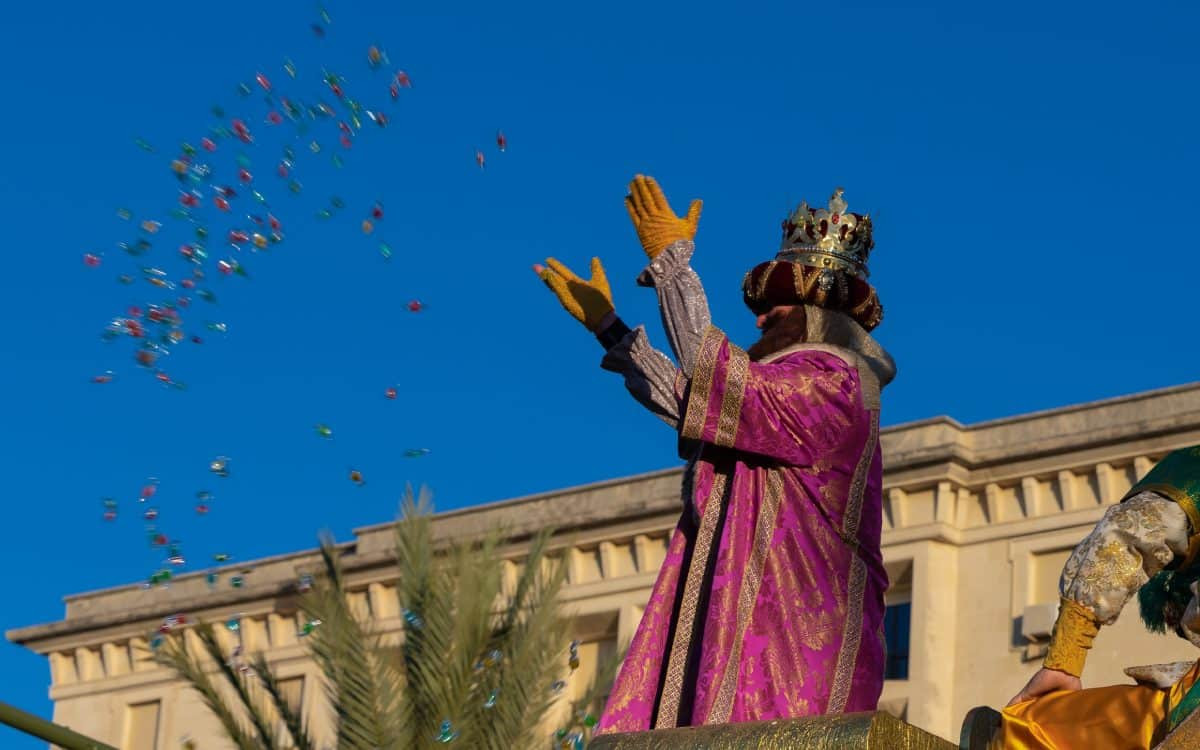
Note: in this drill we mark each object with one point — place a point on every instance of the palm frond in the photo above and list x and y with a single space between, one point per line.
175 654
291 720
342 646
237 679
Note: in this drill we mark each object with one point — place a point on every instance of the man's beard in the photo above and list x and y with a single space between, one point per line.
789 330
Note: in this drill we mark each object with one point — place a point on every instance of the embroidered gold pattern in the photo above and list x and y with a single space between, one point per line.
858 484
764 531
737 369
843 674
668 707
702 381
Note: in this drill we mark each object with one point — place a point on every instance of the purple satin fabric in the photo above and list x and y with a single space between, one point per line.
790 614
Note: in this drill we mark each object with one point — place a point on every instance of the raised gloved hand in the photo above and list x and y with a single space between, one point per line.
589 301
656 224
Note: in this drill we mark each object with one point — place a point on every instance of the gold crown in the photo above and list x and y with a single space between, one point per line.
828 238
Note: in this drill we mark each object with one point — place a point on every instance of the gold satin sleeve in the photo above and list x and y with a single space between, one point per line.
1120 716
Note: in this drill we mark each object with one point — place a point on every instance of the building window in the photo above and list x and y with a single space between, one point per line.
897 619
141 726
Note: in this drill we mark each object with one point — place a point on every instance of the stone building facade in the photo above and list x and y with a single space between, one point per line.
978 521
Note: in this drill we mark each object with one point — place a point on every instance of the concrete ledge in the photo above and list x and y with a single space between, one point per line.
861 731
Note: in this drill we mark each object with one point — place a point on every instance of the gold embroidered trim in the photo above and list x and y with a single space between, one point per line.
736 371
702 381
668 706
858 484
764 531
843 674
766 277
1074 631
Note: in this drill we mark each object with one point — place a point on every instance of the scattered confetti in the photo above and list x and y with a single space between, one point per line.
110 509
446 735
219 466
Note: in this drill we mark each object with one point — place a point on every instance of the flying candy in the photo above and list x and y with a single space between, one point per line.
110 509
324 431
357 477
501 141
415 305
149 488
491 699
219 466
106 377
309 627
446 735
390 393
573 658
367 226
233 623
150 514
479 159
221 557
91 260
416 452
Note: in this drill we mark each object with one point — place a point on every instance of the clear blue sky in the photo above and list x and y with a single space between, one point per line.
1031 168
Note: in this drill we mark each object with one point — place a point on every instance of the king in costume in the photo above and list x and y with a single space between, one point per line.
769 603
1146 545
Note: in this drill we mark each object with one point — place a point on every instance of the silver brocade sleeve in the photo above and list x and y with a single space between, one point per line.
681 301
1134 540
649 374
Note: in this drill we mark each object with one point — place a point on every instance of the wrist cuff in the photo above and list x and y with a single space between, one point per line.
1074 631
612 335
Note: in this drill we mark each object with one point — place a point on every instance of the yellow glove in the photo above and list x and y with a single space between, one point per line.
656 224
587 301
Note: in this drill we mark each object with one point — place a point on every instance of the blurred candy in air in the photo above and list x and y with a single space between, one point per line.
367 226
150 514
309 627
219 466
501 141
201 509
417 452
110 509
390 393
385 250
415 305
91 260
357 477
208 144
375 57
377 211
211 579
289 67
105 377
221 557
402 80
324 430
479 159
149 488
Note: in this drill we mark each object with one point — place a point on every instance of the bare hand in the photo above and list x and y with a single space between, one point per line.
1046 681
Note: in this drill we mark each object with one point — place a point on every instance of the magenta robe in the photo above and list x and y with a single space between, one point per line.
769 603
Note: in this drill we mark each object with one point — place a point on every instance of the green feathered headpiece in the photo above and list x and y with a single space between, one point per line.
1164 597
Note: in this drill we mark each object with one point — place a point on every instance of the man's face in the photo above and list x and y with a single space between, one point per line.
782 326
765 321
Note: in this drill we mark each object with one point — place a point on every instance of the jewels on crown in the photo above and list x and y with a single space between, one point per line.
828 237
